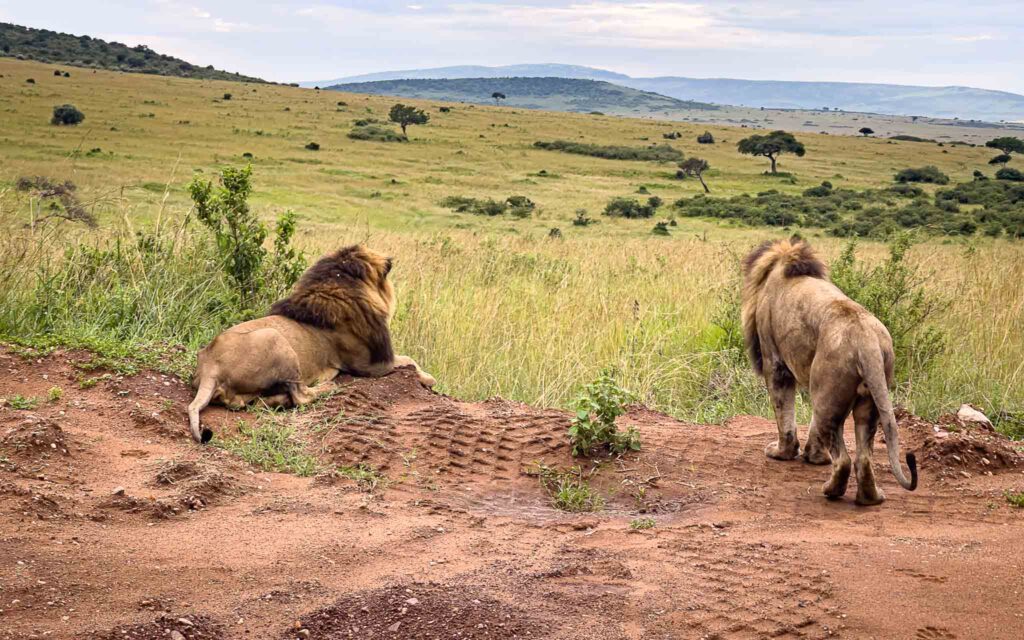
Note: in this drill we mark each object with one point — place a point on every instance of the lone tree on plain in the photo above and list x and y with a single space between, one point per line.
498 96
866 131
1002 159
771 146
404 115
1007 144
695 167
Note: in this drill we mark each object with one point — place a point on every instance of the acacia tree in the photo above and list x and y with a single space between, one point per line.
1002 159
404 115
695 167
498 96
1007 144
771 146
866 131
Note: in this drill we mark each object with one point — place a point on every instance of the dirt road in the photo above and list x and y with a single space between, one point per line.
114 524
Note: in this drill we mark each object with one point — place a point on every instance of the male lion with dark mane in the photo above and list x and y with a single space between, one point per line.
800 329
335 320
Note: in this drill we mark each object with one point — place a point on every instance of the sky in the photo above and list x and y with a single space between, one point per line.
937 42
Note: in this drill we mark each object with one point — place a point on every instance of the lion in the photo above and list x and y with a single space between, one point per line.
335 320
800 329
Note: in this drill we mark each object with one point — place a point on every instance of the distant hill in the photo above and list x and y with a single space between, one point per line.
477 71
555 94
965 103
44 45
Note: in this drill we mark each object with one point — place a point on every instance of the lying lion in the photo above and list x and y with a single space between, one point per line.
800 329
335 320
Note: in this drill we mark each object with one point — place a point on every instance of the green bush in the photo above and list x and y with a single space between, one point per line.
517 206
706 138
67 114
929 174
376 133
1010 174
894 292
657 153
569 490
593 427
631 208
239 235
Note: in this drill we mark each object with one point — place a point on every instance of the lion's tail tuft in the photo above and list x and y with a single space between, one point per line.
207 385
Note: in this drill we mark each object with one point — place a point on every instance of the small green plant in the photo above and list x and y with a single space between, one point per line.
365 476
661 229
25 403
1015 498
54 394
271 447
239 234
639 524
313 146
569 490
601 402
582 219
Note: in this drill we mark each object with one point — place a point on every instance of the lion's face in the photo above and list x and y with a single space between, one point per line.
378 267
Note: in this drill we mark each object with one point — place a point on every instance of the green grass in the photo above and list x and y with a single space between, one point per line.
271 447
25 403
1015 498
365 476
640 524
569 490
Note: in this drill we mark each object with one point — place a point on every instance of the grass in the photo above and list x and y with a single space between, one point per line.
569 490
489 305
365 476
24 403
271 447
640 524
1015 498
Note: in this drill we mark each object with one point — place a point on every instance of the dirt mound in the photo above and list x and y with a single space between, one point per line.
164 628
952 447
35 438
418 611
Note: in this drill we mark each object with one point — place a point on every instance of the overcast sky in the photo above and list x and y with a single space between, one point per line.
938 42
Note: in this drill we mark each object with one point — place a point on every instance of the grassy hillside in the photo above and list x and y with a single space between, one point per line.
490 305
44 45
554 94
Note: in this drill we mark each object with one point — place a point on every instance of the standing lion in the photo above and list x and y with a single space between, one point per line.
335 320
800 329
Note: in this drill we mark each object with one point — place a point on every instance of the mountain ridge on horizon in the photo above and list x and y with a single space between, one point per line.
953 101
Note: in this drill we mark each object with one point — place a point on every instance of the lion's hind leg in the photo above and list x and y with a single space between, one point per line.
828 425
782 389
865 417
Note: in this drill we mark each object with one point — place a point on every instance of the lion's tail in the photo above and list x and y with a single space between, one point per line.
873 372
207 386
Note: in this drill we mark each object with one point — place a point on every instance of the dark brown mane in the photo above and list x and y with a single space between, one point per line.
332 294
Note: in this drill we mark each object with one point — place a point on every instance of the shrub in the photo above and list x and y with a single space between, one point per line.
639 524
631 208
1002 158
227 96
929 174
894 292
706 138
825 189
672 135
444 109
67 114
518 206
405 115
313 146
60 200
593 427
56 72
582 219
239 235
661 229
907 138
1011 174
376 133
658 153
866 131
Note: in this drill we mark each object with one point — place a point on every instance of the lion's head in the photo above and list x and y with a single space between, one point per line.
346 290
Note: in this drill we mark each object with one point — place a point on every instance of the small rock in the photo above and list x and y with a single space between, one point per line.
119 491
394 627
967 413
412 601
304 633
185 621
176 635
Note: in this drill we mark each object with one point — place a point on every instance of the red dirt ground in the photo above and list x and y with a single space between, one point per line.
114 524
